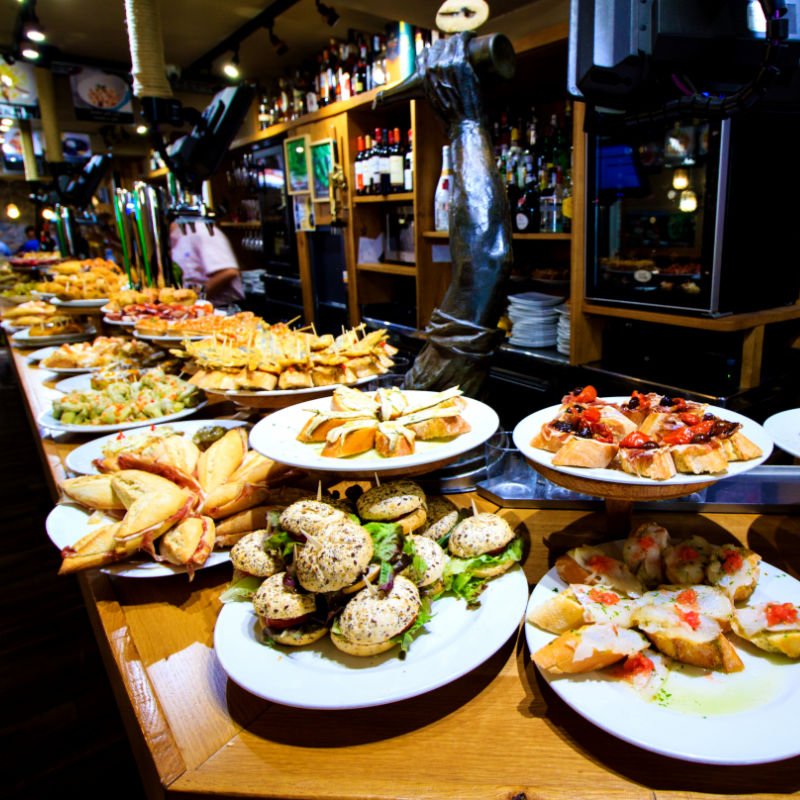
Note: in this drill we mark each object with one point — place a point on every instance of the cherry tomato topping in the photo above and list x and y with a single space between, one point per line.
647 542
689 418
606 598
592 414
586 395
635 439
780 612
678 436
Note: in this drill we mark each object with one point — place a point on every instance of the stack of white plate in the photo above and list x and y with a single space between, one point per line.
534 317
563 330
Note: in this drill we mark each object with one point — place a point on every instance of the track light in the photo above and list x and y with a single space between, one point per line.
328 14
231 69
31 52
32 30
281 48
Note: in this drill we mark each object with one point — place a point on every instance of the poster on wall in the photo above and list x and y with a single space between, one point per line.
101 96
12 150
76 147
19 97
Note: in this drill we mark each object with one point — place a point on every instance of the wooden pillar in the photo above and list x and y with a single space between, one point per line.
28 156
47 106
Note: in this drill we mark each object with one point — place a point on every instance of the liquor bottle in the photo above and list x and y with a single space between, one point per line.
324 79
385 165
375 163
359 79
525 218
408 172
396 164
441 199
359 165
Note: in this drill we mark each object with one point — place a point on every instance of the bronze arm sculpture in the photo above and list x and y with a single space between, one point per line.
462 335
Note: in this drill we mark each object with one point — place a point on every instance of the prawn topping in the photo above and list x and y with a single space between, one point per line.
688 597
732 561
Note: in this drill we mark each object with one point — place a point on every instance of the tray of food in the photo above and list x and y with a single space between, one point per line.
84 284
645 439
342 590
682 647
390 431
123 403
53 331
102 352
163 503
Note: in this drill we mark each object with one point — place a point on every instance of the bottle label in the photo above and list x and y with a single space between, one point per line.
359 176
522 221
396 176
566 207
408 180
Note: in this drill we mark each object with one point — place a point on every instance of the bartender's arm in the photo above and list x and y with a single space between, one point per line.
218 281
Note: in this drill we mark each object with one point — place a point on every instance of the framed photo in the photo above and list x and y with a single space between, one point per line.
322 160
304 213
298 165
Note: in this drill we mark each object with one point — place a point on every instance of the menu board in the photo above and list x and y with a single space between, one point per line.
19 98
101 96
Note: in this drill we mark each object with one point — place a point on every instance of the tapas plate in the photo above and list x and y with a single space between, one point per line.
69 522
784 428
697 715
166 338
527 428
323 677
87 303
280 398
121 322
47 420
77 383
22 339
275 436
80 460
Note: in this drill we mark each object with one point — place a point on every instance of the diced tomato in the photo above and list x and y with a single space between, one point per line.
120 436
606 598
691 618
781 612
637 664
586 395
688 553
688 597
689 418
678 436
600 564
635 439
646 542
731 561
602 433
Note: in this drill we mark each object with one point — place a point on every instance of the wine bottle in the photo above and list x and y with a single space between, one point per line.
441 200
408 172
359 166
396 164
385 164
375 163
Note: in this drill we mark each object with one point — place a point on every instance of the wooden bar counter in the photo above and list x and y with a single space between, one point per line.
497 732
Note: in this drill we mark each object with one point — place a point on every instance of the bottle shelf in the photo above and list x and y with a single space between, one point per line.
252 224
399 197
553 237
390 269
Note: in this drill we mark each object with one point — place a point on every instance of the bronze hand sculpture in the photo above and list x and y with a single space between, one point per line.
462 335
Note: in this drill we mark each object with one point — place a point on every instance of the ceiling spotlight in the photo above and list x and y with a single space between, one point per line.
231 68
30 52
32 30
12 211
48 214
142 129
7 121
328 14
281 48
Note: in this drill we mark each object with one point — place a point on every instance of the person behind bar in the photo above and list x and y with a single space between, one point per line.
207 261
462 334
31 243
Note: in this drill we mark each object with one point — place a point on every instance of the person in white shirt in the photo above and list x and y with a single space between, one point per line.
207 261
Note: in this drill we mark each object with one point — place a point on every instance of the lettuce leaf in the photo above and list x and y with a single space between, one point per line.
459 578
241 590
282 542
387 540
419 565
406 637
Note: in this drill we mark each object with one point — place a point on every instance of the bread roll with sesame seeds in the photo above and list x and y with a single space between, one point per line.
402 502
481 534
284 613
249 555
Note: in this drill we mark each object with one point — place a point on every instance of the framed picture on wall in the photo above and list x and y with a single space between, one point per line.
322 161
298 165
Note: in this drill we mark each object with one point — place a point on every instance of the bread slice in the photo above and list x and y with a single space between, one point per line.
222 459
654 463
589 453
591 565
588 648
346 398
392 440
550 438
735 570
557 614
773 627
190 543
738 447
698 459
317 428
350 439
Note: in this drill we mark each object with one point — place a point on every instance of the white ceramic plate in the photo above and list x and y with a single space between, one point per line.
68 522
311 390
528 428
321 677
784 428
47 420
121 322
77 383
80 459
40 354
92 303
154 337
23 340
275 436
706 717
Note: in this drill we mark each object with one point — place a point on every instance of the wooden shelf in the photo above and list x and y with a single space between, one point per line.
364 99
390 269
400 197
552 237
253 224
